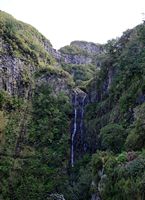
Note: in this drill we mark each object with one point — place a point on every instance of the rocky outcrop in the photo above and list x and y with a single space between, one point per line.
76 59
89 47
81 52
58 83
98 94
56 54
18 73
19 79
56 197
15 76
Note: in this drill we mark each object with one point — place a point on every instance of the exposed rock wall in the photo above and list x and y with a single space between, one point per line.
89 47
76 59
97 94
15 76
79 101
56 82
81 53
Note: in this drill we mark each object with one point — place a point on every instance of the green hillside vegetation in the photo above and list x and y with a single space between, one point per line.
81 73
34 145
116 120
24 41
73 50
35 131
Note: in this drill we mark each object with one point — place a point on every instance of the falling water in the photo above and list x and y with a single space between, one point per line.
78 104
74 131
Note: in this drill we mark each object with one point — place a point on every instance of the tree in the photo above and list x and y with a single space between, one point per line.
112 137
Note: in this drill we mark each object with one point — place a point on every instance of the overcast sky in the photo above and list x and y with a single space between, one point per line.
63 21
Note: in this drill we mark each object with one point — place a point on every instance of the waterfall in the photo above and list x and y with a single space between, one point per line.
74 130
78 126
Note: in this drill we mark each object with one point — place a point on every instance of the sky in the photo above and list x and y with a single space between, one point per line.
63 21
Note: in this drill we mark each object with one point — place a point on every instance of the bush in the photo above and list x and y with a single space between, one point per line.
112 137
136 137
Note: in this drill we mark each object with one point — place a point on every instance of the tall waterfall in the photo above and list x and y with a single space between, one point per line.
78 123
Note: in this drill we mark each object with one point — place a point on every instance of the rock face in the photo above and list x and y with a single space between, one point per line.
24 66
98 95
17 78
14 78
56 54
81 52
89 47
58 83
56 197
76 59
24 56
79 100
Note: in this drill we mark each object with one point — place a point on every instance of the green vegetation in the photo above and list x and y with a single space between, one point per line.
35 148
35 128
55 73
115 119
35 120
81 73
73 50
24 41
136 136
123 176
112 137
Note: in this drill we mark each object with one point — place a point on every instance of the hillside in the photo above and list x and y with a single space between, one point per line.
115 118
72 121
82 60
34 114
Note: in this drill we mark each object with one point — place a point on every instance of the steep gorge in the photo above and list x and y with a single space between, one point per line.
71 121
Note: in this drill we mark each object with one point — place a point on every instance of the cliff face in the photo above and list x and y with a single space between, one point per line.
81 52
57 108
118 88
90 47
35 110
23 56
11 76
82 60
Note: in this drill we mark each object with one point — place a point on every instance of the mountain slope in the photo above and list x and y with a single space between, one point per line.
41 101
34 114
82 60
23 52
115 119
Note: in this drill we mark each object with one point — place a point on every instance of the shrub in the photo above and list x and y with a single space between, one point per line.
112 137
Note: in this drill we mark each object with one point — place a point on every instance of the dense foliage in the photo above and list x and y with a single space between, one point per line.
35 162
81 73
35 129
115 118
